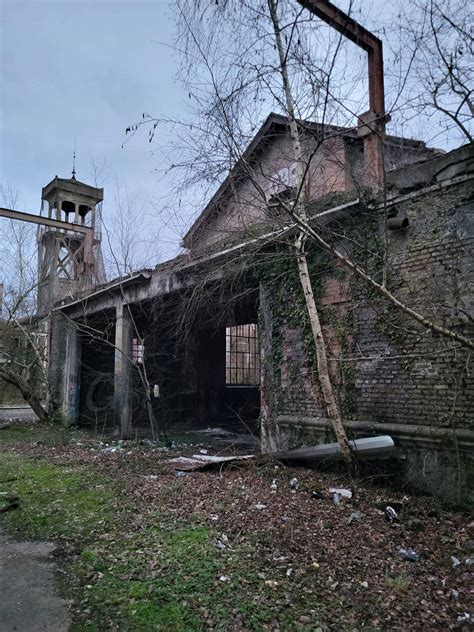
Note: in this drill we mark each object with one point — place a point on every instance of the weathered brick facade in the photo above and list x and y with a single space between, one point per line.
393 376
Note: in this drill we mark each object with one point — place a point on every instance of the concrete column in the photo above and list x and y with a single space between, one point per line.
64 368
271 436
72 381
123 371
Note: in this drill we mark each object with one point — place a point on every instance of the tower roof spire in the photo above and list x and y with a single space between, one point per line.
74 161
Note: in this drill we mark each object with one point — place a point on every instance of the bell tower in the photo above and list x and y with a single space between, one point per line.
69 254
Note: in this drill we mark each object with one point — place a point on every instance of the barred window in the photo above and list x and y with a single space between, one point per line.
242 355
137 351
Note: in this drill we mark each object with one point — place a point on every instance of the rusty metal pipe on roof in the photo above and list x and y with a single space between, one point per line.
372 123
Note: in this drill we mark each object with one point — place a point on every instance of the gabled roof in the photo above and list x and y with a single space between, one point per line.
273 125
271 128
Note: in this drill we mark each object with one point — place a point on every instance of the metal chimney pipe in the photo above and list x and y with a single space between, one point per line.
372 123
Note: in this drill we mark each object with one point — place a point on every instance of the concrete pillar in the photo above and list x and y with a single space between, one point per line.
64 368
123 371
271 437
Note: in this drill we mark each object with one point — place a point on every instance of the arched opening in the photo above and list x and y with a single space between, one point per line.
83 211
68 207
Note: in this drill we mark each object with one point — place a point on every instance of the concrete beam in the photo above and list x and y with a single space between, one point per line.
123 368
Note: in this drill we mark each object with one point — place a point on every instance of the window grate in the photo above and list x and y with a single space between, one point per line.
242 355
138 351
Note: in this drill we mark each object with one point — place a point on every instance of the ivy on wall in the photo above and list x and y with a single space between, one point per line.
276 268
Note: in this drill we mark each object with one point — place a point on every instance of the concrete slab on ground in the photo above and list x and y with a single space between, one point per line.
29 601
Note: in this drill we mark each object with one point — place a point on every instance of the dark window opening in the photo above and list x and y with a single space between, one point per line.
242 355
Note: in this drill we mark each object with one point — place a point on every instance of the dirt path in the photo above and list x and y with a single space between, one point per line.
29 601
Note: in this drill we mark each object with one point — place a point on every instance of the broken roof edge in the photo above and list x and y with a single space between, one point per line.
134 277
274 119
184 262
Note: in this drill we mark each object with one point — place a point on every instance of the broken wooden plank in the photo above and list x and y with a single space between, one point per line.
201 461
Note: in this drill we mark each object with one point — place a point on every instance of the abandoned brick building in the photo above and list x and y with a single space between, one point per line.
219 334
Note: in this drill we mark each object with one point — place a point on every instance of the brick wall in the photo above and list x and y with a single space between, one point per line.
402 374
391 375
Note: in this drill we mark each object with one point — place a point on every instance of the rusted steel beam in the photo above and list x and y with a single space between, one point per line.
87 231
45 221
371 123
366 40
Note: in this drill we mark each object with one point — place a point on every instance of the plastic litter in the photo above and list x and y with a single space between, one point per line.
180 474
344 493
295 485
390 514
465 617
355 516
455 562
273 486
222 542
260 506
409 555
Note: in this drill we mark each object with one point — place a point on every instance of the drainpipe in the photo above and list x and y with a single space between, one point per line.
371 124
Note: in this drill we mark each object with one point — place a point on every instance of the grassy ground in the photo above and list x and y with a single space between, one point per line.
141 549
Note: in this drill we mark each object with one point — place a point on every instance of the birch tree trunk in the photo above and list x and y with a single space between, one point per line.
299 210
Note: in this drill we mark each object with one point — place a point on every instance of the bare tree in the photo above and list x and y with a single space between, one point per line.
438 41
23 343
272 42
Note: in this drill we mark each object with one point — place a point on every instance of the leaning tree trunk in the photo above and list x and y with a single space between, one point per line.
321 353
299 210
26 392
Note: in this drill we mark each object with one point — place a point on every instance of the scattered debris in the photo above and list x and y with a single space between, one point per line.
294 485
465 617
338 493
271 583
224 578
111 450
343 493
222 542
202 461
355 516
409 555
260 506
273 486
364 584
469 561
455 561
390 514
180 473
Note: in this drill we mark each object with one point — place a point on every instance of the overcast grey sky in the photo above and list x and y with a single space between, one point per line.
86 70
